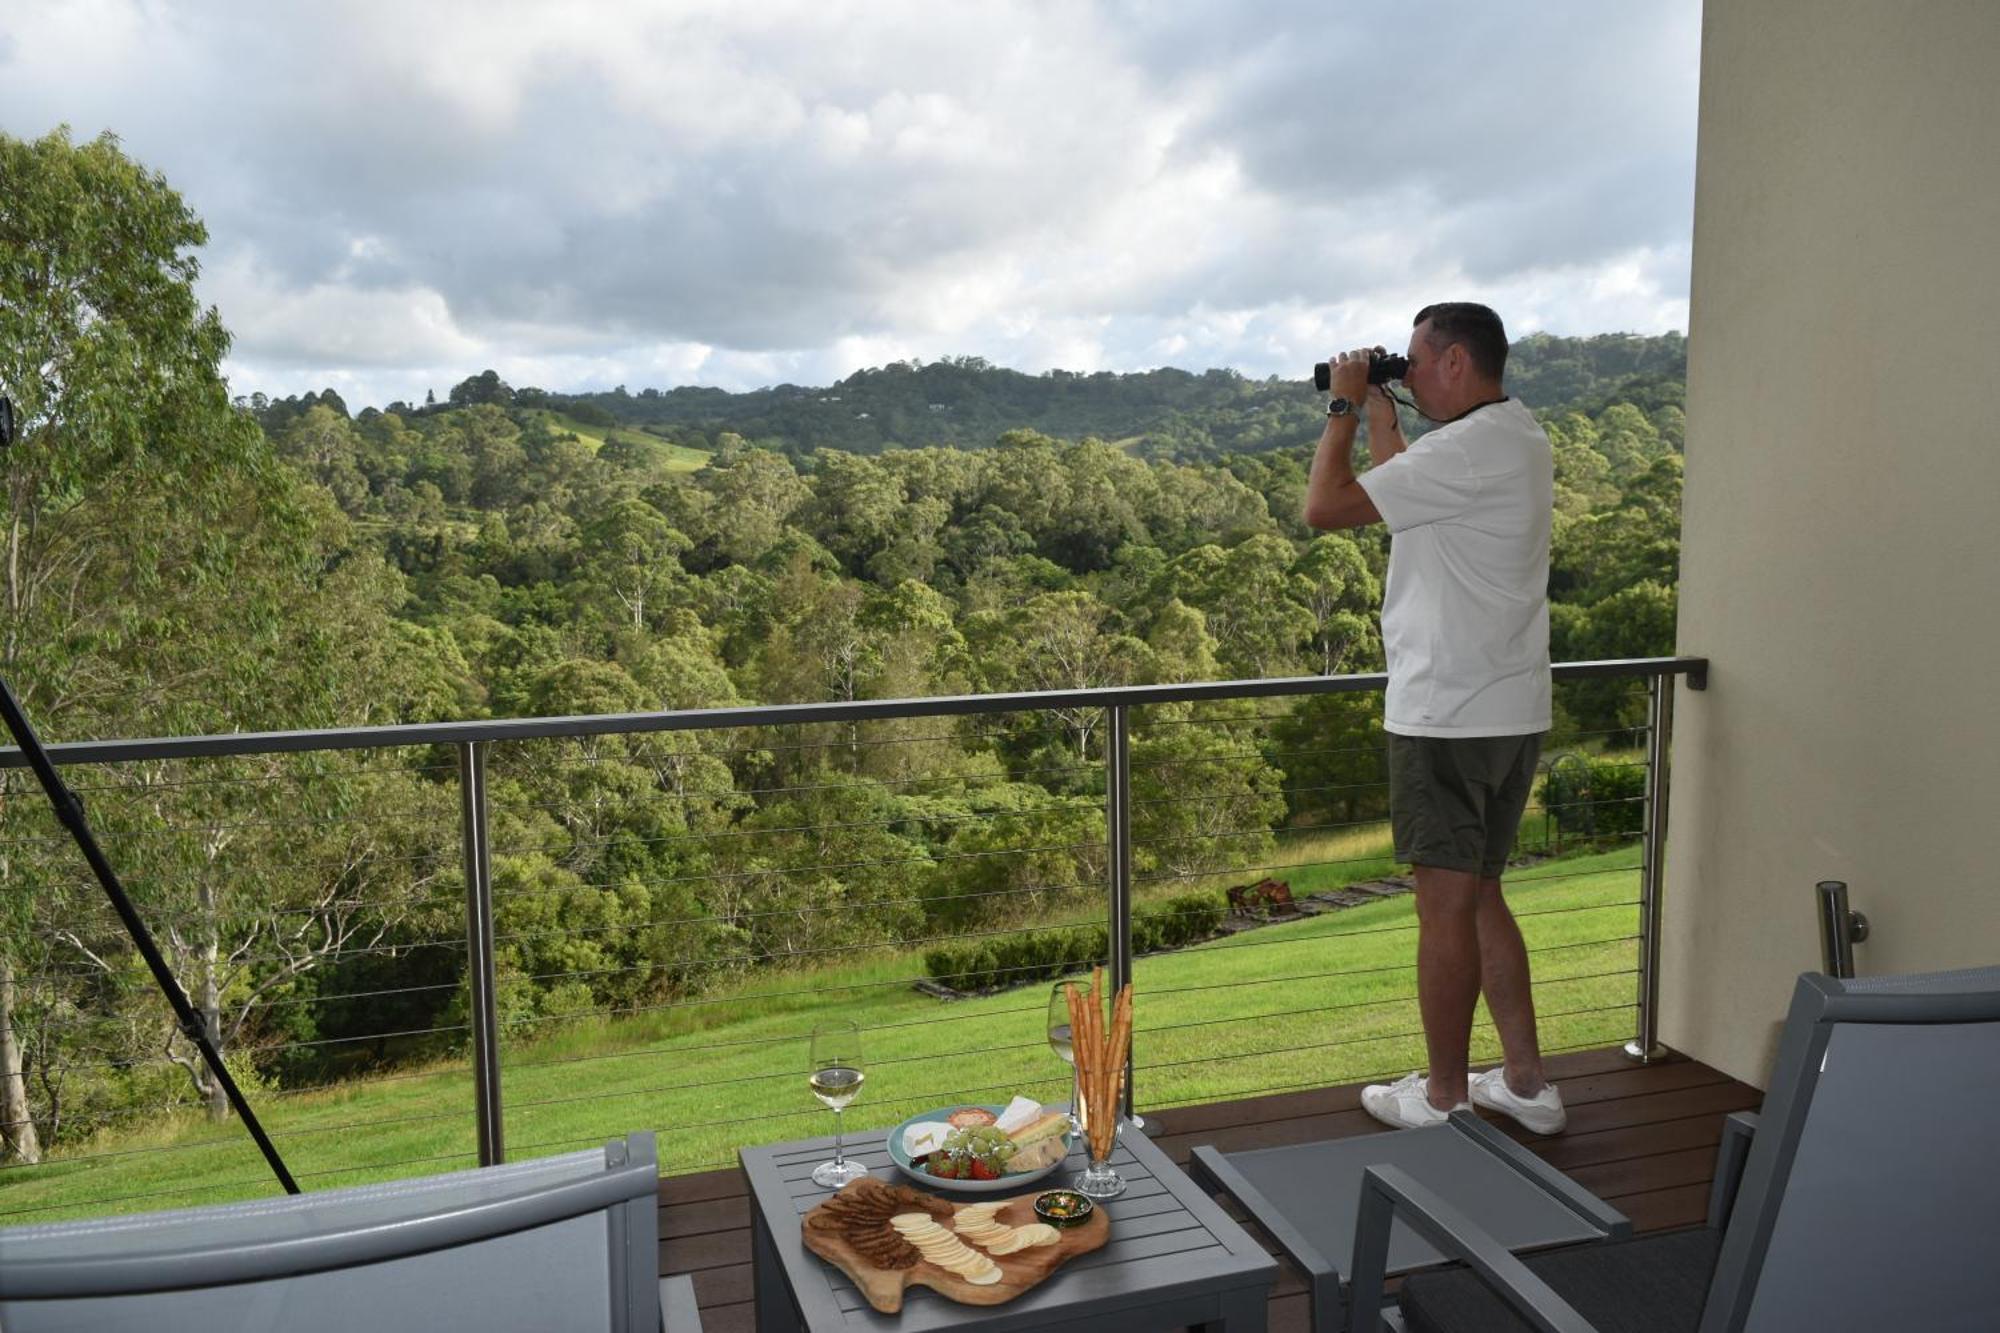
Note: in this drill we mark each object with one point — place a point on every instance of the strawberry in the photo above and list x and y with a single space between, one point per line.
942 1164
981 1171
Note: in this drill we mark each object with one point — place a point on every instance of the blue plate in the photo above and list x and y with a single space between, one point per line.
1005 1185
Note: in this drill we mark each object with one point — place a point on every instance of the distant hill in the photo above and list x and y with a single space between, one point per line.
967 402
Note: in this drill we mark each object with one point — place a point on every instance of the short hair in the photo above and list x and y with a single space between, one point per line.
1473 325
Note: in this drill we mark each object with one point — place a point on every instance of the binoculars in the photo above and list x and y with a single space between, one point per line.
1382 367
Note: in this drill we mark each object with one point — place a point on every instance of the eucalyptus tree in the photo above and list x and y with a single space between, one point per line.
120 407
1067 640
1204 795
857 507
1332 581
165 573
1247 594
324 445
629 557
737 507
112 366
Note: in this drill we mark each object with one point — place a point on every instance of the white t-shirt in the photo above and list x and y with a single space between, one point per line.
1465 616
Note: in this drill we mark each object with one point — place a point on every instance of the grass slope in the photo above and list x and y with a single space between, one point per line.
1322 1001
680 458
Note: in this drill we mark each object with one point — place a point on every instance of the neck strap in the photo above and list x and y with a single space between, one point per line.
1474 408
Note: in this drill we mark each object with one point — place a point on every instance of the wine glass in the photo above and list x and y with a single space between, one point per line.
835 1074
1061 1042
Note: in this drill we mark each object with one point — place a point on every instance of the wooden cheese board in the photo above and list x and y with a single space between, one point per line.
839 1229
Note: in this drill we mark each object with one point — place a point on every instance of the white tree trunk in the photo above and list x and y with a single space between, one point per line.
210 1001
17 1131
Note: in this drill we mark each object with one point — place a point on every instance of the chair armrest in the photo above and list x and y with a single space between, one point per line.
1730 1155
678 1311
1388 1193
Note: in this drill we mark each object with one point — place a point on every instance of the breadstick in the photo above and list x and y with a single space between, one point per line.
1124 1024
1121 1041
1091 1075
1107 1083
1087 1037
1079 1034
1101 1112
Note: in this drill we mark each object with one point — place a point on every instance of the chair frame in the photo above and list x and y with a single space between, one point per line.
1754 1160
625 1190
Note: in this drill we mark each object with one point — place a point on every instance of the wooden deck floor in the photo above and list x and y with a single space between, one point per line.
1641 1137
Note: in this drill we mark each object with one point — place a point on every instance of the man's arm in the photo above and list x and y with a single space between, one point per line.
1334 499
1385 432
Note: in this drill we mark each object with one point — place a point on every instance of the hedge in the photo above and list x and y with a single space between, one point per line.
1043 955
1596 797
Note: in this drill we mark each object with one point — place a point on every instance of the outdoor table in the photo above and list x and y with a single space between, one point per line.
1175 1259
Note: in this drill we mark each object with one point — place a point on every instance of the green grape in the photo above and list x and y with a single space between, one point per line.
988 1143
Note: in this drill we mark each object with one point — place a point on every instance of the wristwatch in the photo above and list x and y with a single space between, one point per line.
1342 407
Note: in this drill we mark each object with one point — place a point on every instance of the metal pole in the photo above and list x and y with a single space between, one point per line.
1118 836
1646 1046
69 810
1840 928
479 952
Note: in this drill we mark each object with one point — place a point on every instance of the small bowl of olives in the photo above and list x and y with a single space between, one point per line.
1063 1208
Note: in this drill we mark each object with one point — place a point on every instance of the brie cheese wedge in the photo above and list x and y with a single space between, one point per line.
924 1137
1020 1112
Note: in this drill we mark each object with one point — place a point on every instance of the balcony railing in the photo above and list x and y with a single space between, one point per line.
445 944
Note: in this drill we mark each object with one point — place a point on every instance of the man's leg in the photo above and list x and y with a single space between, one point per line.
1449 970
1436 818
1518 1088
1510 998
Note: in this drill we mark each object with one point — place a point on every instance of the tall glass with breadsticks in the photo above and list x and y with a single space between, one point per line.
1100 1045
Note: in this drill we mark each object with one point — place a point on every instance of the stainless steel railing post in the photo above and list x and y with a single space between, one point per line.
1118 838
479 952
1652 865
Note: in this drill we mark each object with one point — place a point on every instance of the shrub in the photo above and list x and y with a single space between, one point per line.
1595 797
1030 956
1190 918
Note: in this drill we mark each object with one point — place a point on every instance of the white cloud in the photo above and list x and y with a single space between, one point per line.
333 323
654 193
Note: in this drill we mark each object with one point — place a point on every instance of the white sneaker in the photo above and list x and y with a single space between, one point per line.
1406 1103
1543 1112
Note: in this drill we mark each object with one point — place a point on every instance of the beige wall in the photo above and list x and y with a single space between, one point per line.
1841 549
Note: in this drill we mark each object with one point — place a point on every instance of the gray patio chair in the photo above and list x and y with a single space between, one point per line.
557 1243
1869 1197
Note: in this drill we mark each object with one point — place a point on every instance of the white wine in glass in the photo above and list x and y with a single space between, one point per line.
834 1072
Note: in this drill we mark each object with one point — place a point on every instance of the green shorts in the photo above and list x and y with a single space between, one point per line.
1455 802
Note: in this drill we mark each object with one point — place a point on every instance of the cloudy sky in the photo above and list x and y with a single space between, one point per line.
741 193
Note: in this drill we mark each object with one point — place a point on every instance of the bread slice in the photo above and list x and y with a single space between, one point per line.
1039 1144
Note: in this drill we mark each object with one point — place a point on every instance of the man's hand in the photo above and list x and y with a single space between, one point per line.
1350 374
1334 499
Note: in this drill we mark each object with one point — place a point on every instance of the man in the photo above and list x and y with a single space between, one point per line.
1465 623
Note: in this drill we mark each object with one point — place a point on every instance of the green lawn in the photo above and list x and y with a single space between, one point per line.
1323 1001
680 458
